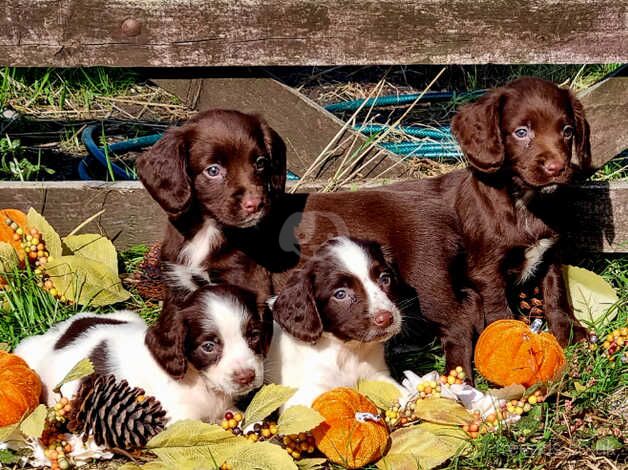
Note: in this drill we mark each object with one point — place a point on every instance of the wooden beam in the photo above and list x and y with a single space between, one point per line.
596 215
134 33
305 126
606 108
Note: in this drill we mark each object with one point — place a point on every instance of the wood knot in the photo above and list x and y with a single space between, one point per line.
131 27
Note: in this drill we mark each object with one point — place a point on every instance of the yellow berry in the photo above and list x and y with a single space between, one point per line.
519 410
451 380
237 416
420 387
225 424
296 455
233 423
532 400
54 292
266 432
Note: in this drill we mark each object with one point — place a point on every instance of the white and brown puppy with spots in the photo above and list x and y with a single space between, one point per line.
195 360
332 320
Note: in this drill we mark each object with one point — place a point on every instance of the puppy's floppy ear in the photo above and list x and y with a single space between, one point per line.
295 308
477 128
163 169
166 341
276 149
582 144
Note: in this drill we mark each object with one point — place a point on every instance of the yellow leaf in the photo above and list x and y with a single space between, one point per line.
579 387
268 399
81 369
311 464
95 247
8 258
190 441
50 237
590 296
298 419
33 424
424 446
7 431
383 394
442 411
85 281
262 456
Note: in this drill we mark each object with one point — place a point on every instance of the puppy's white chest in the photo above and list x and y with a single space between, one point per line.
195 251
533 257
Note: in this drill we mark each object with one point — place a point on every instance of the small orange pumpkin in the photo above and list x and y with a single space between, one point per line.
353 434
510 352
20 388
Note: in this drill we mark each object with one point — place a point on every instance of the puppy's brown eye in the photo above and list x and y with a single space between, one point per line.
260 163
521 132
385 279
208 346
567 132
213 171
340 294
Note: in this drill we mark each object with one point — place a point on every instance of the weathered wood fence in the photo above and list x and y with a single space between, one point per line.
195 33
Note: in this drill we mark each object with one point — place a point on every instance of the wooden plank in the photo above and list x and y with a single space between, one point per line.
305 126
606 107
193 33
596 214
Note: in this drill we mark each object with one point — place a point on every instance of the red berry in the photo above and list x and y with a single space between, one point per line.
228 415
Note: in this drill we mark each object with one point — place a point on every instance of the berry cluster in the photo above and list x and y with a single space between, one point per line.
480 426
456 376
53 439
518 407
299 444
231 422
614 342
531 305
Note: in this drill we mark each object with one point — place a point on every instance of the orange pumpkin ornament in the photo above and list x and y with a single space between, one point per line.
20 388
511 352
353 434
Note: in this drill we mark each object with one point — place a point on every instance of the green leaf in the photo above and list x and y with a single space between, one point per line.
33 424
442 411
95 247
81 369
8 458
607 443
590 296
268 399
50 237
298 419
383 394
8 258
262 456
424 446
193 441
311 464
86 281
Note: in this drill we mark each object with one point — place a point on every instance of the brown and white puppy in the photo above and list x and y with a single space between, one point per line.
221 169
332 319
523 141
195 360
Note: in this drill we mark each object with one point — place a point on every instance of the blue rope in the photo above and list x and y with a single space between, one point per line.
432 133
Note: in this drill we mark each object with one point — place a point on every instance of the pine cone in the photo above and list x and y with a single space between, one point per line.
117 415
150 284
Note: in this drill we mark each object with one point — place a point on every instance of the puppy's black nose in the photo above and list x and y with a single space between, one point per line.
244 376
383 318
252 204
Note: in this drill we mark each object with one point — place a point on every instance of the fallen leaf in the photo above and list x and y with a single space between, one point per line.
311 464
193 441
510 392
424 446
95 247
81 369
383 394
86 281
298 419
262 456
7 431
607 444
268 399
442 411
50 237
590 296
8 258
33 424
